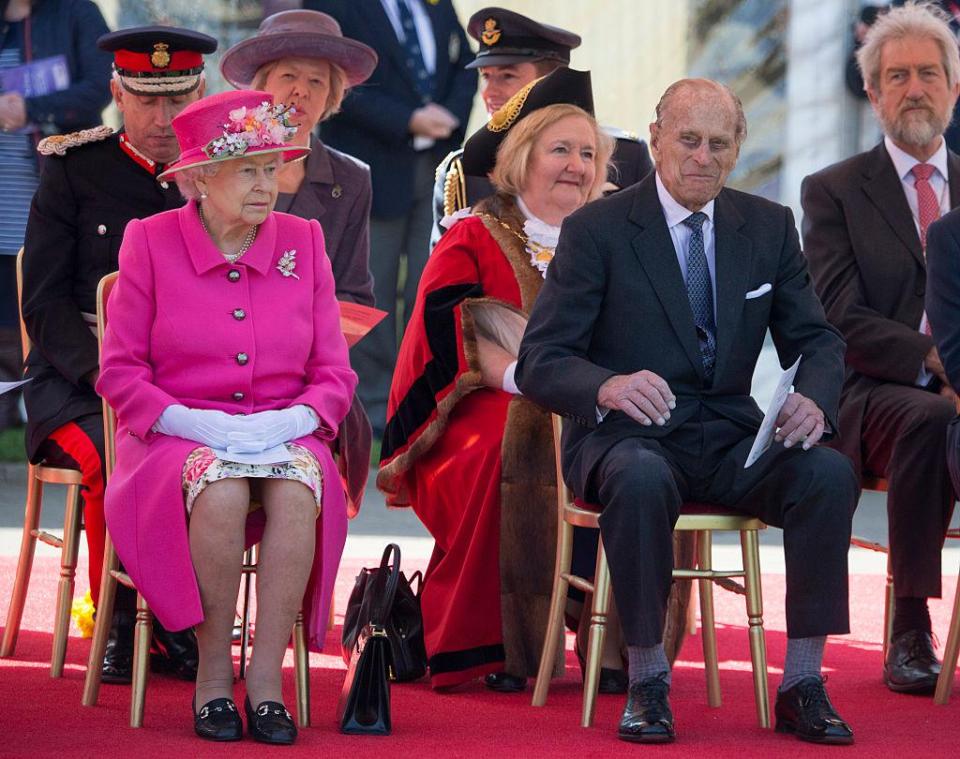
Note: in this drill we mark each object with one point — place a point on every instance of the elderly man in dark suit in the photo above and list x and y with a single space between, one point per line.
864 232
410 113
646 334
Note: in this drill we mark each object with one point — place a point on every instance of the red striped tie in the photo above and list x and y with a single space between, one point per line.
927 204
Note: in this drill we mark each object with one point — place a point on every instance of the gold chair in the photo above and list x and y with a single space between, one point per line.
69 544
950 651
702 519
143 630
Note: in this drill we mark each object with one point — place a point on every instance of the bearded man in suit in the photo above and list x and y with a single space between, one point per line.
864 233
646 334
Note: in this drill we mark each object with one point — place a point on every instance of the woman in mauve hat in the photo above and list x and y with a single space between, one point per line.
302 59
224 361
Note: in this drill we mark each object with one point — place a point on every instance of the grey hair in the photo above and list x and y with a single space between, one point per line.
913 19
186 179
740 133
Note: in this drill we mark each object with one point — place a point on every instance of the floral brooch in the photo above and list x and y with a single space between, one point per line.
287 263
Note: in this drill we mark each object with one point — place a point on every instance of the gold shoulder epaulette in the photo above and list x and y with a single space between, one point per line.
454 188
59 144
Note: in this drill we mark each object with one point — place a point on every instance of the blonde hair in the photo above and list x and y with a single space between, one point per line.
910 20
514 154
338 85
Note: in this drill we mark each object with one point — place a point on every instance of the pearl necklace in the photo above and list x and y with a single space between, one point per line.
245 245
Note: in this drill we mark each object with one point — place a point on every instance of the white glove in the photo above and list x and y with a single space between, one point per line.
206 426
266 429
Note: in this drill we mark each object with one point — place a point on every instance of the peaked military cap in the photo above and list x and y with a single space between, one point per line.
158 60
506 38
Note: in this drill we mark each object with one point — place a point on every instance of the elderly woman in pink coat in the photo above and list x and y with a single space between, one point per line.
224 361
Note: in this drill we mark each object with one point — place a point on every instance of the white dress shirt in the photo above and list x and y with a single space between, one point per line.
903 163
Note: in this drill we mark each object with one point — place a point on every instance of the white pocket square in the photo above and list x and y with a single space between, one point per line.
762 290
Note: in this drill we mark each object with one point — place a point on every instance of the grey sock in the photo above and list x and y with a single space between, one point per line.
804 659
646 662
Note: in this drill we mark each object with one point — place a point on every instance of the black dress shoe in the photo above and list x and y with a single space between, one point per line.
217 720
805 710
505 683
647 717
612 681
174 652
270 722
911 665
117 666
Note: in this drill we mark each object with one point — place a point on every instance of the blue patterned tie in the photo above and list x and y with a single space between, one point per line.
414 55
700 292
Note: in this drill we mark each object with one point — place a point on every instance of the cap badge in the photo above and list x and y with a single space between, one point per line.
490 34
160 58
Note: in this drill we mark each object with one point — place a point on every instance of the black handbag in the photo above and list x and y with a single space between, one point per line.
364 707
403 622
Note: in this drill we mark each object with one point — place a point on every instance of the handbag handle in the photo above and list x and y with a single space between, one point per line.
386 585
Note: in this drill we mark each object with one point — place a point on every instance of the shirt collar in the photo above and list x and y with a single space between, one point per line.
673 211
903 162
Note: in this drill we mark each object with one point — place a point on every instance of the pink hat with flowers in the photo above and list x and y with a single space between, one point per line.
230 125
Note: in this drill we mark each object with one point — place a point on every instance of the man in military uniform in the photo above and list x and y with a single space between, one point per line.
515 50
94 182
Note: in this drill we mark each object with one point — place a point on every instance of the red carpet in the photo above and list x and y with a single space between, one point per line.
43 717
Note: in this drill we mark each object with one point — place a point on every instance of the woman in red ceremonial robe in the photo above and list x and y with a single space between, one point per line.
473 458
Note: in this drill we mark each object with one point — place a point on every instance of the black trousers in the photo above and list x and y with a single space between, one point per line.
904 439
641 484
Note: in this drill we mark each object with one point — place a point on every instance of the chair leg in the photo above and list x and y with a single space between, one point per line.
950 652
28 545
750 547
302 665
707 622
101 626
598 628
554 635
248 560
143 632
692 610
68 573
888 609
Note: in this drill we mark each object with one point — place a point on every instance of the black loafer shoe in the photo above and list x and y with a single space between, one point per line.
270 722
647 717
612 681
117 666
505 683
217 720
805 710
911 665
174 652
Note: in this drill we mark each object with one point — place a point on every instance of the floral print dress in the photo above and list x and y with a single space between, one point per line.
203 467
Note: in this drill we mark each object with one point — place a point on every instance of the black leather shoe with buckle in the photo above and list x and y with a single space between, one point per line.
647 717
117 666
174 652
805 711
270 722
217 720
505 683
911 665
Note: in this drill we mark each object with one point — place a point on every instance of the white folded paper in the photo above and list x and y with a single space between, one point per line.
276 455
769 424
6 387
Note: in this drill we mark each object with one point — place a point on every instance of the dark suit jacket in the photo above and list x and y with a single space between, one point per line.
336 192
614 302
373 123
869 270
